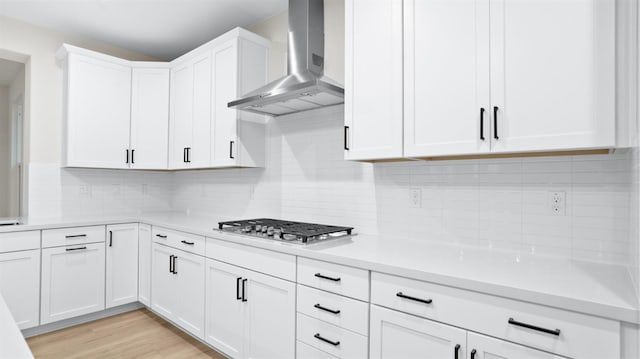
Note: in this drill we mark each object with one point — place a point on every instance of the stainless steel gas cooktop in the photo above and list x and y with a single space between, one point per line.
295 232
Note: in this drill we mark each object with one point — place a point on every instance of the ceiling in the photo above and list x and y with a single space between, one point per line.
164 29
8 71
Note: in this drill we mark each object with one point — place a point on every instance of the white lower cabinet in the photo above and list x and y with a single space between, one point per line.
249 314
20 286
144 264
73 281
483 347
122 264
177 287
398 335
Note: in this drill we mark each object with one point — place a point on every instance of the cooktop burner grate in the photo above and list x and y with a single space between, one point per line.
284 230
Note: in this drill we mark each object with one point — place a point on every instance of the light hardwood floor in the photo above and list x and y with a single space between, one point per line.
137 334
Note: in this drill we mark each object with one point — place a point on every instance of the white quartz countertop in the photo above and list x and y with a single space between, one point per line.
598 289
12 344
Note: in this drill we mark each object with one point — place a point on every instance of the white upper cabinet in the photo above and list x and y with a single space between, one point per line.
98 103
446 77
237 138
149 117
552 74
373 79
190 116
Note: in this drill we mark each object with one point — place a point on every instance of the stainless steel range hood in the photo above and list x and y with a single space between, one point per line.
305 87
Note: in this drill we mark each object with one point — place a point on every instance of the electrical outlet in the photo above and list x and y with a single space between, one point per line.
415 198
558 202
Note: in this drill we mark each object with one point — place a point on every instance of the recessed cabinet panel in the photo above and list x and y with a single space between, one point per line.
373 79
485 347
224 120
20 286
181 115
98 113
144 264
122 264
446 77
552 74
199 150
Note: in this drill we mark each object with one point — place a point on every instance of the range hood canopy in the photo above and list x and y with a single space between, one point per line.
305 87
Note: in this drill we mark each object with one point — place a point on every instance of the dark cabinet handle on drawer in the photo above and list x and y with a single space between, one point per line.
244 289
231 149
75 249
346 136
495 122
456 349
127 158
238 297
161 236
75 236
482 123
326 309
110 238
319 337
473 354
188 154
171 263
175 271
425 301
184 155
132 158
189 243
319 275
555 332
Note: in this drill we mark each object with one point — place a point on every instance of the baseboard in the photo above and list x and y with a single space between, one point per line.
43 329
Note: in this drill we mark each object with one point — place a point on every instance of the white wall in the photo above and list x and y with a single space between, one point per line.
5 154
16 97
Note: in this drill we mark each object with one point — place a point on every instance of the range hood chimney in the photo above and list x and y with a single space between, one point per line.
305 87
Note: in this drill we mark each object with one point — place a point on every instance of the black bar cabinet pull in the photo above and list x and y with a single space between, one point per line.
495 122
473 354
127 156
346 136
75 249
425 301
76 236
132 158
326 309
319 337
184 155
189 243
482 123
171 263
238 297
456 349
319 275
188 154
175 271
161 236
231 149
555 332
244 289
110 238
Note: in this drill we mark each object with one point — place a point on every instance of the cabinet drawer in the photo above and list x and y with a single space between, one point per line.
305 351
351 314
260 260
72 236
580 336
180 240
331 339
344 280
19 241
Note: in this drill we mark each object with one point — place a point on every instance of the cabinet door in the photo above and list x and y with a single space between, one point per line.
373 79
98 113
144 264
72 281
122 264
446 77
189 291
20 286
397 335
224 308
199 150
271 317
163 297
483 347
552 74
181 114
225 89
149 118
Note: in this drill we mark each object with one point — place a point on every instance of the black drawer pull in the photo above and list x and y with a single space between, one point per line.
346 136
75 236
425 301
171 263
127 158
244 290
231 149
189 243
482 123
326 309
495 122
75 249
473 354
238 297
319 275
175 271
555 332
110 238
319 337
161 236
456 349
